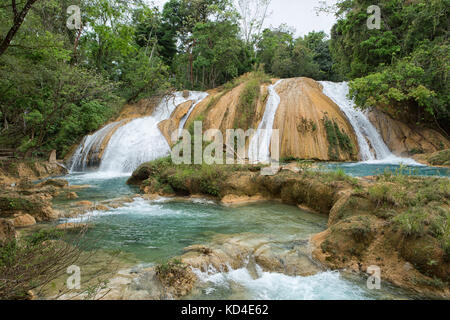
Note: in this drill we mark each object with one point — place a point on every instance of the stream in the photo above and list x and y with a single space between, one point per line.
156 231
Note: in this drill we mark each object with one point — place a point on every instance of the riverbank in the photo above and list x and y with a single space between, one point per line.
394 221
12 171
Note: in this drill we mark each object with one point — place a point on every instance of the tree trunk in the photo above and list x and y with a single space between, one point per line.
18 20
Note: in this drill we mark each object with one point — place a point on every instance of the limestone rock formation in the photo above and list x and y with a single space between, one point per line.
169 126
403 139
301 120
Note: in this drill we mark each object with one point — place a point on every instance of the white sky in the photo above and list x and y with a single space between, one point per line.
299 14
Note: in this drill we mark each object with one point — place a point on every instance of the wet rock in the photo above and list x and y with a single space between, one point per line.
58 183
72 195
101 207
84 203
52 157
71 226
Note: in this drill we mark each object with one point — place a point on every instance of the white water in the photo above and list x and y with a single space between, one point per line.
136 142
259 149
276 286
90 144
365 131
200 96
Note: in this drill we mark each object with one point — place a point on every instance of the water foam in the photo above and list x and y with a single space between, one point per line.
136 142
259 149
327 285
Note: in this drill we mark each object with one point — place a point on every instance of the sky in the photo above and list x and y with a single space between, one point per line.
299 14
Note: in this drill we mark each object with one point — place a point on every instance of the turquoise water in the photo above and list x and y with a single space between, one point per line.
156 231
361 169
101 186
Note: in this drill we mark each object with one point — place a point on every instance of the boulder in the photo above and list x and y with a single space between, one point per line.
72 195
84 203
405 139
23 220
59 183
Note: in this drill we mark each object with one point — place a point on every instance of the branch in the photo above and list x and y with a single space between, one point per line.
18 20
14 8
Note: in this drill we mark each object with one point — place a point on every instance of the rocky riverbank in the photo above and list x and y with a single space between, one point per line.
12 171
399 223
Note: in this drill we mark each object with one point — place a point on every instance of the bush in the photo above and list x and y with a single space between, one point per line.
168 273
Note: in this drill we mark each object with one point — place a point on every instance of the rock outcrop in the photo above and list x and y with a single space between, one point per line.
301 118
169 126
406 140
23 220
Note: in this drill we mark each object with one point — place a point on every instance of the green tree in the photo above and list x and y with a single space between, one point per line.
402 67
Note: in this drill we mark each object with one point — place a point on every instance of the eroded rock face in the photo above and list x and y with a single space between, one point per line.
300 119
168 127
390 222
403 139
247 249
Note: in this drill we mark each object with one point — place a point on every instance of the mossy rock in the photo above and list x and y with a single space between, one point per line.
427 255
440 158
12 203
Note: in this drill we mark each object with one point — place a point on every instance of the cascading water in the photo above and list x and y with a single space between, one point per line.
141 140
259 149
200 96
91 144
136 142
365 131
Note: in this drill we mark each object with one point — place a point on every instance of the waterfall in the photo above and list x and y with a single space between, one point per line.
371 145
199 97
134 143
259 148
83 156
141 140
